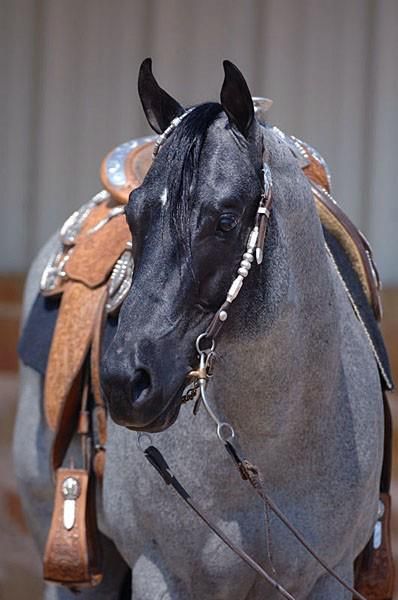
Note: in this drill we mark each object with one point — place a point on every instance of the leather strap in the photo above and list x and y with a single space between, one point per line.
100 407
354 244
250 473
374 567
69 347
156 459
73 552
253 475
72 556
385 482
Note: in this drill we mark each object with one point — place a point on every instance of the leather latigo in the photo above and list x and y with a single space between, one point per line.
71 341
100 408
72 555
72 552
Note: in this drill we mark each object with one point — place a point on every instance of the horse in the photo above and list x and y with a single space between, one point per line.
294 376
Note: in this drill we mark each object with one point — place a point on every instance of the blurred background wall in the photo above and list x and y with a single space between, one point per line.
68 95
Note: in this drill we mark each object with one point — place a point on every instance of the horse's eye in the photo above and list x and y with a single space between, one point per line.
227 222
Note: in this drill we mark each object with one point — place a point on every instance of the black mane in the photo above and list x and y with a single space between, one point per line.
182 153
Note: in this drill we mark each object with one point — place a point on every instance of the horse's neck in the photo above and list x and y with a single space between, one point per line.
280 365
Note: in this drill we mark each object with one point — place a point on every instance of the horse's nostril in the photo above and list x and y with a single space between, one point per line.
141 382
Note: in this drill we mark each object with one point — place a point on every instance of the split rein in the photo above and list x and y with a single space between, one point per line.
205 347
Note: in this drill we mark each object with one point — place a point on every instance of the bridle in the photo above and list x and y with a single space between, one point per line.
206 342
205 347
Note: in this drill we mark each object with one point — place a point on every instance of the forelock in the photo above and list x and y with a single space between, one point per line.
181 152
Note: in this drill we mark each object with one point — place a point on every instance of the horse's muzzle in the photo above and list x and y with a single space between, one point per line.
137 399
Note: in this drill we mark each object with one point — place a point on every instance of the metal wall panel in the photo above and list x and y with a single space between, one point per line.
68 94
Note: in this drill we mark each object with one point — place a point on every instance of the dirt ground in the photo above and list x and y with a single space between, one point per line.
20 566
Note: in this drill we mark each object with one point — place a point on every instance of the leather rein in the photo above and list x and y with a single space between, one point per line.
205 347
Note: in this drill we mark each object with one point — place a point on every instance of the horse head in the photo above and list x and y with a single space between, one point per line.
190 221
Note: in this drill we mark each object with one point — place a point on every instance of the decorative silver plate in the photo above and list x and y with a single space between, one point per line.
120 280
54 270
115 161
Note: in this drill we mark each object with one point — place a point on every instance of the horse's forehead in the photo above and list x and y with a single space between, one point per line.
224 153
220 136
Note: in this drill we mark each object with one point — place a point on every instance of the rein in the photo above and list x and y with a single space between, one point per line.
197 391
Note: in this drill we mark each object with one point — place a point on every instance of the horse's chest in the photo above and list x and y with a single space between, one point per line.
146 518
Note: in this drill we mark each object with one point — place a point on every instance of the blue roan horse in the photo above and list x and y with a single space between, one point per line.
294 375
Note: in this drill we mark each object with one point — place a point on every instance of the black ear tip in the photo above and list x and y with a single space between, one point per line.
236 99
230 68
146 66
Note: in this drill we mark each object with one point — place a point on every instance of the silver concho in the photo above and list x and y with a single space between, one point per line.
378 528
267 178
120 280
73 224
71 492
115 162
54 270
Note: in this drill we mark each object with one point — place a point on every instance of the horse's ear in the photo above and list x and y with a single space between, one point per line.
159 107
236 98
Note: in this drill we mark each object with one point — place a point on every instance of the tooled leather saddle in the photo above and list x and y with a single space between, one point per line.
88 277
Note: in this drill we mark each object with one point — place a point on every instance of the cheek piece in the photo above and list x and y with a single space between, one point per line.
254 249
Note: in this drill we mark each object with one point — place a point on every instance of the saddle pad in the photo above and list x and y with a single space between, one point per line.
37 334
361 306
